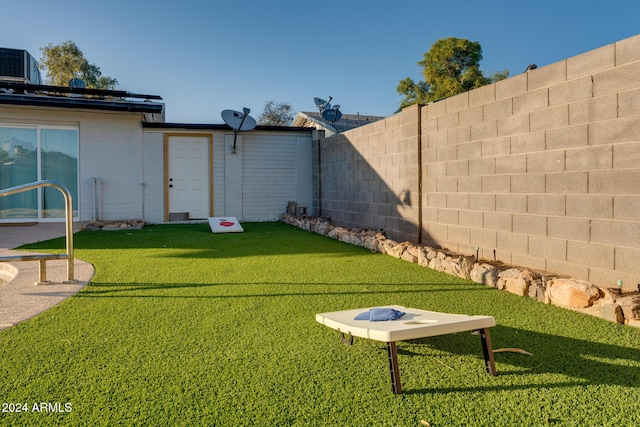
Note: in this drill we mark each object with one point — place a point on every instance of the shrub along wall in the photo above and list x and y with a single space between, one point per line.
541 170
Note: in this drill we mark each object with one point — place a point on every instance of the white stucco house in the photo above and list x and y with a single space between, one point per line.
120 160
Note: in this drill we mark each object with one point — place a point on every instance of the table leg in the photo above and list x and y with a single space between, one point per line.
393 367
346 338
488 351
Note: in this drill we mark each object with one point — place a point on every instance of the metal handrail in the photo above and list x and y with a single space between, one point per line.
68 219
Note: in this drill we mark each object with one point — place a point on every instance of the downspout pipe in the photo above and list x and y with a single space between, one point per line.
419 144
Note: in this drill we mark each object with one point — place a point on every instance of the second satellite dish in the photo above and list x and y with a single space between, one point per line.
322 104
326 111
332 114
238 122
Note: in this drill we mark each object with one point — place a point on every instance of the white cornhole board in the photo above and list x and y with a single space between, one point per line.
227 224
414 324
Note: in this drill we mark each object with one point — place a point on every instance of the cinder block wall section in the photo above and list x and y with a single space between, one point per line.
541 170
368 177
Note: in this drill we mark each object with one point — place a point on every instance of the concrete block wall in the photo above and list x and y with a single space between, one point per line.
541 170
368 177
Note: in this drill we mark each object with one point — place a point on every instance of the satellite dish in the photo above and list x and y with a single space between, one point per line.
332 115
322 104
329 114
238 122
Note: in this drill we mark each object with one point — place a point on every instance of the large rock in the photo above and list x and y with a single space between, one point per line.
387 246
571 293
351 238
449 266
410 253
537 290
370 243
466 265
486 274
423 259
378 239
517 286
516 281
436 264
510 274
323 228
630 306
337 232
396 250
458 266
612 312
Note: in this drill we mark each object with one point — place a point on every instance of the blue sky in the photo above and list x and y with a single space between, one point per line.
203 57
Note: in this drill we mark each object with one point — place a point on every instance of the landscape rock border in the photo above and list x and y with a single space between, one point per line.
128 224
574 294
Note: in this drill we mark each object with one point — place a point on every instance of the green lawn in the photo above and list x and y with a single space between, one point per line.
182 327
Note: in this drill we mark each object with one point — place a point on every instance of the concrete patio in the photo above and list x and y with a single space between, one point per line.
20 298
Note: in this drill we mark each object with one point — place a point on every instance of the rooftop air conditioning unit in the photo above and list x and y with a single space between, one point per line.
18 65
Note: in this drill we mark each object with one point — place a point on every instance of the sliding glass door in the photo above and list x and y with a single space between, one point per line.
34 153
18 165
58 162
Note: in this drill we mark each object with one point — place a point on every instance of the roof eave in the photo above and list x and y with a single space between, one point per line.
81 103
210 126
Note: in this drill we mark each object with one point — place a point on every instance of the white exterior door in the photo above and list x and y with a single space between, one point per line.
188 175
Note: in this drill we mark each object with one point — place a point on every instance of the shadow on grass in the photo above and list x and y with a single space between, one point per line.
196 241
128 290
583 362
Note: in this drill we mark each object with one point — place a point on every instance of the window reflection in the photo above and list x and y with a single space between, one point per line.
59 162
18 165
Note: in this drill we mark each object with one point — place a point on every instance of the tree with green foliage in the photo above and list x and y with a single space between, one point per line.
276 114
66 61
451 66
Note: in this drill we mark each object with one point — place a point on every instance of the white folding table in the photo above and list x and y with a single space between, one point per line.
414 324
